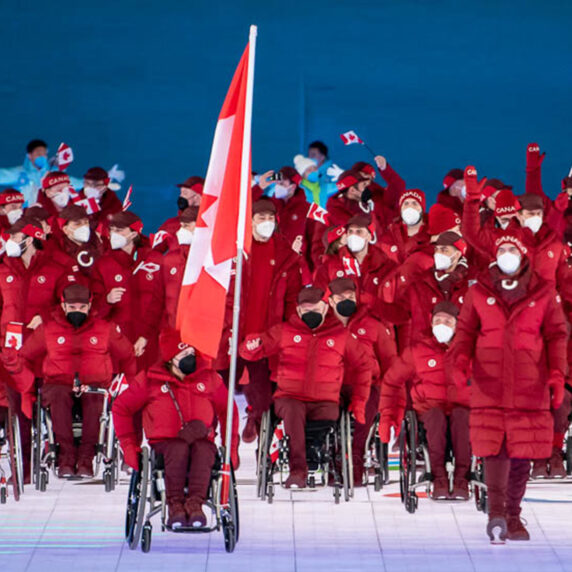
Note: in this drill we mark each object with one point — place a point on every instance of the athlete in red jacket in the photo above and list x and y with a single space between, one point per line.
312 350
182 399
513 331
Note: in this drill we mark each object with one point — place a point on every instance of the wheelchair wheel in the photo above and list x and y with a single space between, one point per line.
264 440
346 453
568 456
3 493
480 493
408 461
15 445
136 500
230 517
146 537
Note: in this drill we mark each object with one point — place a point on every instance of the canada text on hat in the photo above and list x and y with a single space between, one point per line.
170 344
510 239
11 197
348 179
335 233
53 179
506 203
415 194
29 227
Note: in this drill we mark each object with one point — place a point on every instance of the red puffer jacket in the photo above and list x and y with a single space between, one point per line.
80 256
138 313
310 365
424 363
548 253
172 270
517 354
398 246
201 396
36 290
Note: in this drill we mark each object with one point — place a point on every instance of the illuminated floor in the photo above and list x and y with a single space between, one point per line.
77 526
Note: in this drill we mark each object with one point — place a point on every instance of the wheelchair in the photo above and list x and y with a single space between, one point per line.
11 452
415 467
328 455
147 486
376 458
44 441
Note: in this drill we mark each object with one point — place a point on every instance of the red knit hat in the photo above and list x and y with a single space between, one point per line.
310 295
494 185
97 174
291 174
170 344
72 213
442 218
76 294
54 178
332 234
341 285
531 202
509 238
29 226
452 176
445 307
414 194
348 179
362 221
451 238
506 203
263 205
126 219
11 197
194 183
364 167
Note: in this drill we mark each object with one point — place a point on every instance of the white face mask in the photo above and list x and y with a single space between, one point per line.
14 215
185 236
280 191
82 233
91 192
442 261
410 216
265 229
508 263
533 223
356 243
117 241
443 334
13 248
504 223
62 198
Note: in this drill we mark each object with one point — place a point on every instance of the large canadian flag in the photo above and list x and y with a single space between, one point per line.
217 238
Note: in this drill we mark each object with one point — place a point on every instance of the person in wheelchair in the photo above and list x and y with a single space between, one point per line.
379 341
438 403
74 343
312 348
182 399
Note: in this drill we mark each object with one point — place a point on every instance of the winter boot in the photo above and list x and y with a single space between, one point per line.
460 490
440 489
295 481
195 515
497 529
177 514
516 529
250 431
557 470
539 469
85 468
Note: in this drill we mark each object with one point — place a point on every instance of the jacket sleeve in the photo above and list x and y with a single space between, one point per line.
100 293
152 295
121 350
124 408
385 348
393 396
220 403
555 334
293 286
480 240
9 176
269 344
395 186
359 361
462 349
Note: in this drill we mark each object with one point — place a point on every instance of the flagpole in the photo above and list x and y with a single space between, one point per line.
245 178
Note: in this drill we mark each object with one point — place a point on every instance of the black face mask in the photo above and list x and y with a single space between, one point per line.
365 196
346 308
188 364
76 319
312 319
182 203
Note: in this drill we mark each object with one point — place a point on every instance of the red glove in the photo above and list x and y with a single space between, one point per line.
533 157
556 385
385 426
131 455
473 186
358 409
561 201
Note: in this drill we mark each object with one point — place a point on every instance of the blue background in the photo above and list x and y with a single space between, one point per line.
431 85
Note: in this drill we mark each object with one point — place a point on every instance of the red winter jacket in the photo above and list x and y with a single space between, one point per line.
109 204
27 292
201 396
172 270
547 253
138 313
516 352
80 256
398 246
454 203
310 364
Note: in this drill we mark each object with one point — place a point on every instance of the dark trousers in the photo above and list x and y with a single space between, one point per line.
60 400
436 422
189 465
361 431
295 413
506 480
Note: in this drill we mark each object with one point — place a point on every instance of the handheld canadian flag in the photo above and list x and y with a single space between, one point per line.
318 213
350 137
90 204
64 156
127 200
14 335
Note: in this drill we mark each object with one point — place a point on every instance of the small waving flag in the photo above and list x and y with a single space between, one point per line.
64 156
318 213
350 137
127 200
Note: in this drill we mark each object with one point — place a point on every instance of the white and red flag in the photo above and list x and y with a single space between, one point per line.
64 156
318 213
127 200
224 223
350 137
